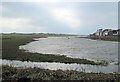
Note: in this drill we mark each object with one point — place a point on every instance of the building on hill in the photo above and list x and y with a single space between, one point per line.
107 32
113 33
99 32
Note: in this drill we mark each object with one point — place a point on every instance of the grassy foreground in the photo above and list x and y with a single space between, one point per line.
13 73
11 51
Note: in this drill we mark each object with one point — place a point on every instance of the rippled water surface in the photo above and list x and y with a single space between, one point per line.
75 48
63 66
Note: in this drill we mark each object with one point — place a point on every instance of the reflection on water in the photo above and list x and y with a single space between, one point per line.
62 66
75 48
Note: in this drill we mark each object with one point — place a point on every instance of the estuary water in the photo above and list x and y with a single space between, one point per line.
75 48
62 66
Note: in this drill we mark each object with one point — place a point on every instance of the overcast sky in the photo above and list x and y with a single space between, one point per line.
60 17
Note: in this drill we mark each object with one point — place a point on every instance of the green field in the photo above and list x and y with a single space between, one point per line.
11 51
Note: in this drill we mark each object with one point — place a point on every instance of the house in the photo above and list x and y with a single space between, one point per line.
99 32
106 32
113 33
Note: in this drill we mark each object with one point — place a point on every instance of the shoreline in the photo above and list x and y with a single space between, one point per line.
13 42
104 38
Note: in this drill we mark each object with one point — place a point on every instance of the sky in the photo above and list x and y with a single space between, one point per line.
59 17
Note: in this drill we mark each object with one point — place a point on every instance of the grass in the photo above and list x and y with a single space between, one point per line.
11 51
13 73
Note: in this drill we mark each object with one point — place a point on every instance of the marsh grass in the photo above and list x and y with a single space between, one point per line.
13 73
